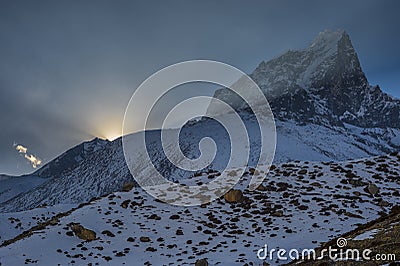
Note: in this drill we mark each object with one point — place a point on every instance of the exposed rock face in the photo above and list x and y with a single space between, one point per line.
322 84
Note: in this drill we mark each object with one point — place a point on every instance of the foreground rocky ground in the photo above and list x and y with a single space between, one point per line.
381 236
300 205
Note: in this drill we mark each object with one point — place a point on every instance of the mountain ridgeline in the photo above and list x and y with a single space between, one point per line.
323 84
324 108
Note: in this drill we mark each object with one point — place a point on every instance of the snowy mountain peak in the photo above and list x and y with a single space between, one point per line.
322 84
328 38
328 60
340 66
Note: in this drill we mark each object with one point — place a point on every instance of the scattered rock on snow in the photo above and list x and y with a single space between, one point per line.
144 239
201 262
128 186
233 196
373 189
83 233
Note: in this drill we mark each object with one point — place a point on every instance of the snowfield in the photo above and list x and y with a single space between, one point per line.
104 170
300 205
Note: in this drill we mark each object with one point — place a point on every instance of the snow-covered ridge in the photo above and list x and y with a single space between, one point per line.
323 83
325 110
105 170
300 68
71 158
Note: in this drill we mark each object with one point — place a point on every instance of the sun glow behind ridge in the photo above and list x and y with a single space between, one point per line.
111 135
110 130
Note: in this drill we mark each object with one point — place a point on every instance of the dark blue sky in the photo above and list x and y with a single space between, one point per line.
68 68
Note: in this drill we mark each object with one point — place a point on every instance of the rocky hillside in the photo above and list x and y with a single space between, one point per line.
299 205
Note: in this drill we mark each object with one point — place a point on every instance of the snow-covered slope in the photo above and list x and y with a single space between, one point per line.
104 170
325 110
11 186
299 205
99 173
71 158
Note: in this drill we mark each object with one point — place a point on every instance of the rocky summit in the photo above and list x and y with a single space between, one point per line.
323 84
